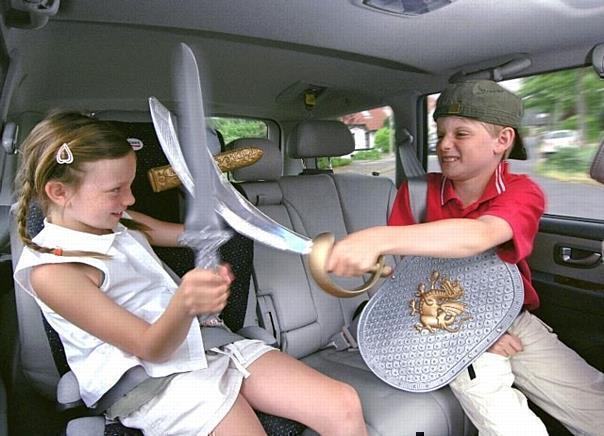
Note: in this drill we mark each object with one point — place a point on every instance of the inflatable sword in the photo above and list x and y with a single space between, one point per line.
210 194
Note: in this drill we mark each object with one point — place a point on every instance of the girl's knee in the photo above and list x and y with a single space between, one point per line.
346 396
348 411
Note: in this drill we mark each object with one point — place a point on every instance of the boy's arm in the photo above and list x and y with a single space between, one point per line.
161 233
458 237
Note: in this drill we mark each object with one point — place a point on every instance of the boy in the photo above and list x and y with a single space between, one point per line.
475 205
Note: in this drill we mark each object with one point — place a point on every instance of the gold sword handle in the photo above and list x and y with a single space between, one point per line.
321 248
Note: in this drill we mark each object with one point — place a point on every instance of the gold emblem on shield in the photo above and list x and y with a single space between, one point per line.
440 307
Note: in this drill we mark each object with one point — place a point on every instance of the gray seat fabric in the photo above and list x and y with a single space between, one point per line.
302 316
319 138
35 356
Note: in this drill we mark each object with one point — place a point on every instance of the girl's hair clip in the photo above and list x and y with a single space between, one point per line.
57 251
64 154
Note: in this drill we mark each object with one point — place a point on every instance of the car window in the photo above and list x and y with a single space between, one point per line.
559 134
235 128
372 130
562 128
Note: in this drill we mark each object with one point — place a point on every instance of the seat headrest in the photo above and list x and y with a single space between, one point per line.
319 138
214 142
269 167
597 167
124 116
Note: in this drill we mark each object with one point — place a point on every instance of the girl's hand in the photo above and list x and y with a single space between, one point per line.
507 345
354 255
204 291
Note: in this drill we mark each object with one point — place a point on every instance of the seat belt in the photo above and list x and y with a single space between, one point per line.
135 387
407 156
129 380
212 337
417 183
415 174
418 191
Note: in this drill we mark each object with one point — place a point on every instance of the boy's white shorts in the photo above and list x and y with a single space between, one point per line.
195 402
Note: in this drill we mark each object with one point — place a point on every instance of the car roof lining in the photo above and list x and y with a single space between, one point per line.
365 59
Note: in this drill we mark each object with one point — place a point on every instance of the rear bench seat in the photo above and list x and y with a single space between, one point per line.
303 317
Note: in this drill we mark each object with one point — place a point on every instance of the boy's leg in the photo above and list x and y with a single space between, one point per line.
557 379
491 403
281 385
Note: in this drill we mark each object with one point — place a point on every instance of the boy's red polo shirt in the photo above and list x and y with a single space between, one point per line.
512 197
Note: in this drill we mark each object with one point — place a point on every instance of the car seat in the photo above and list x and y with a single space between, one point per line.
306 321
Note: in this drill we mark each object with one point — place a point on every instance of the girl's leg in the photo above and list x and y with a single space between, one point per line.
241 420
281 385
557 379
491 403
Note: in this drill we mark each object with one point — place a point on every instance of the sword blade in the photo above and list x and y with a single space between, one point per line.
168 139
205 181
246 219
192 133
204 231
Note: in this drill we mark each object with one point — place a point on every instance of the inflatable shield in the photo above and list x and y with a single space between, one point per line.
433 317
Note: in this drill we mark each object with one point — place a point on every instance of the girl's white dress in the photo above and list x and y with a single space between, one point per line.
197 399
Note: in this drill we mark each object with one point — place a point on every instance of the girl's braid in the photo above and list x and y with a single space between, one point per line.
22 210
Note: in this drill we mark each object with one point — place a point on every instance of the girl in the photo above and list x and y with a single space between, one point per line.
104 291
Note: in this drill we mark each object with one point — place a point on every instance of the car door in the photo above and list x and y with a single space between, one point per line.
568 274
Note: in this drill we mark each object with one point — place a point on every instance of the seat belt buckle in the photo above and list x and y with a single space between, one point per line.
343 340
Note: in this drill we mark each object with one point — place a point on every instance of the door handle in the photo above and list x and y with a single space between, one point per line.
566 256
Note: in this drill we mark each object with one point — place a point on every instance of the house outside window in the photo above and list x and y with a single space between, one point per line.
364 125
373 133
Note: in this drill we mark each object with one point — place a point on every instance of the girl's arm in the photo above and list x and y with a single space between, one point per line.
72 291
162 233
459 237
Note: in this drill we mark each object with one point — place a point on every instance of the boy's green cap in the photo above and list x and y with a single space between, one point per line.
486 101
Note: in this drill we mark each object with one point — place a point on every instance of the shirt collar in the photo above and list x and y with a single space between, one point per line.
495 186
55 236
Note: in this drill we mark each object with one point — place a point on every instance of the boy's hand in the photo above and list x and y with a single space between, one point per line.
354 255
507 345
205 291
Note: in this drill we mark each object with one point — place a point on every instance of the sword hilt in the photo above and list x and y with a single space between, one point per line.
317 259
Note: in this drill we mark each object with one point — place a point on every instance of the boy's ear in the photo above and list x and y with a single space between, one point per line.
57 192
505 140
